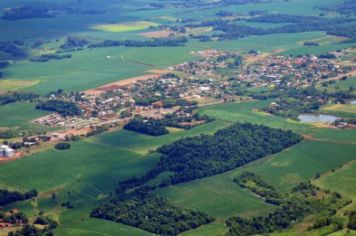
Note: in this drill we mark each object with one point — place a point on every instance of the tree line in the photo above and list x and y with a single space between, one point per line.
65 108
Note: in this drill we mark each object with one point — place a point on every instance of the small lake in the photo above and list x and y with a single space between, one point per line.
353 102
320 118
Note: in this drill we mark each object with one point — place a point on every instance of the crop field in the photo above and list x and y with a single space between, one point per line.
83 184
19 115
341 179
92 68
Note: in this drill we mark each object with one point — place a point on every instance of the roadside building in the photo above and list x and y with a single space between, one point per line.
6 151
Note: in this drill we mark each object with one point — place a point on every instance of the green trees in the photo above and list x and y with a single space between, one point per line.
62 146
302 201
259 187
207 155
152 214
62 107
17 96
148 126
7 197
352 221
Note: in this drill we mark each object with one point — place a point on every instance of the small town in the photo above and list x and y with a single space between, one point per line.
216 77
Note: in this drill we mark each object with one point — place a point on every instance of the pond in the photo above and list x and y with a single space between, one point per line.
353 102
320 118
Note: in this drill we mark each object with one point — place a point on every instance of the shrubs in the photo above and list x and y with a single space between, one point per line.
259 187
352 221
62 146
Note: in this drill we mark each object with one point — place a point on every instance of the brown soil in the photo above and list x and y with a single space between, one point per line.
157 34
120 83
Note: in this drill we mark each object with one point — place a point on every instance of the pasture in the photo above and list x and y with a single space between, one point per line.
124 27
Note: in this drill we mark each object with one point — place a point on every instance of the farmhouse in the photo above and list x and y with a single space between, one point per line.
6 151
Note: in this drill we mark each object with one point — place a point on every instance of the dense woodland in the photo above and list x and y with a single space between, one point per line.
152 214
62 107
157 42
12 97
7 197
148 126
205 155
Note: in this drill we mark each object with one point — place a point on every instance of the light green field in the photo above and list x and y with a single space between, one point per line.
342 110
218 196
7 85
342 180
124 27
84 175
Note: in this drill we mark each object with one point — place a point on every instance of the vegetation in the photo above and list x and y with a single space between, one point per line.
7 197
294 209
62 107
152 214
48 57
157 42
255 183
62 146
26 12
146 126
352 221
16 97
206 155
97 130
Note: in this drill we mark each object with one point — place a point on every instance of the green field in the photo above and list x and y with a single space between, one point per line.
341 180
19 115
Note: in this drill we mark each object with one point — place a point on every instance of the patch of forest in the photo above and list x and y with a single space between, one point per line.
7 197
152 214
12 97
65 108
302 201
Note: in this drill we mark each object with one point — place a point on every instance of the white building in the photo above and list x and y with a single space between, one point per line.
6 151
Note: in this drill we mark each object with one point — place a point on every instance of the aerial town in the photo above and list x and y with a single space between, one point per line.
215 77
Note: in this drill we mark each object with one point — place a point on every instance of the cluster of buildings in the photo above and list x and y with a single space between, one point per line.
56 120
291 72
199 80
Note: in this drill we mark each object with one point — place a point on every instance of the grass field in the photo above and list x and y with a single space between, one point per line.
124 27
341 180
341 110
6 85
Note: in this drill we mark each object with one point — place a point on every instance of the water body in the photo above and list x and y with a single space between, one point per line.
320 118
353 102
